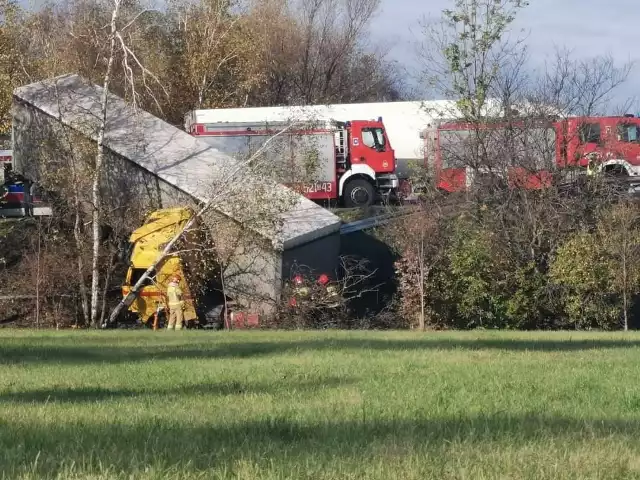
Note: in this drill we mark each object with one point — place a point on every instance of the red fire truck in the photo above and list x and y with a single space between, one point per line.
350 162
528 152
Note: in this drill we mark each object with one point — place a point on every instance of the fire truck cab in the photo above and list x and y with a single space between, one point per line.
610 144
6 164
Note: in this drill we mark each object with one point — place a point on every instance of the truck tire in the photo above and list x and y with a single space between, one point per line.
617 178
358 193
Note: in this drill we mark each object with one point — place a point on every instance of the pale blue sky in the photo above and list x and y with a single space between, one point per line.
588 27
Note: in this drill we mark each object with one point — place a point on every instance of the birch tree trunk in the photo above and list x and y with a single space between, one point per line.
422 275
77 235
625 285
97 174
38 275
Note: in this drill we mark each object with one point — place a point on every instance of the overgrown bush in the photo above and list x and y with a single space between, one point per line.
475 281
598 270
477 273
39 283
584 273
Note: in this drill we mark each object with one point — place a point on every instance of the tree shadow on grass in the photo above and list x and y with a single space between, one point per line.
210 390
29 351
291 445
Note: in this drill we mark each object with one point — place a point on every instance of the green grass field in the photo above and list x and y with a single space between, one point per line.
186 405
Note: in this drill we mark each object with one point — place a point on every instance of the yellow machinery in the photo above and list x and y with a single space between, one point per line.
147 243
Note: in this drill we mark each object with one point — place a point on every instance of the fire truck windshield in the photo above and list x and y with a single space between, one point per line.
373 138
628 133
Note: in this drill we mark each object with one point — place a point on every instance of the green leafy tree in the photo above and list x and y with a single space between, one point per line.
599 270
468 50
585 273
476 276
619 233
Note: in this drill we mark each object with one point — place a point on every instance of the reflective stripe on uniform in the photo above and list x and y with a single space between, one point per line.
174 295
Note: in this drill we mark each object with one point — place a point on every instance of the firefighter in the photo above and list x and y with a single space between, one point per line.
29 189
591 164
175 303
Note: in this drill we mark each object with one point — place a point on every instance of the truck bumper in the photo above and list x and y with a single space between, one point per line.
388 182
634 170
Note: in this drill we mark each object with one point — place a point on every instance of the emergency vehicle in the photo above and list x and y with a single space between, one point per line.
350 162
529 153
21 198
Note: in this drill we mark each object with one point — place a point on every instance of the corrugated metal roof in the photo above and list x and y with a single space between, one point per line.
179 159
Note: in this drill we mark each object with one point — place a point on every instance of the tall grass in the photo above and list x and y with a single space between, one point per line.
272 405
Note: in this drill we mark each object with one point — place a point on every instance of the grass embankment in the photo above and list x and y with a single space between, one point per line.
319 405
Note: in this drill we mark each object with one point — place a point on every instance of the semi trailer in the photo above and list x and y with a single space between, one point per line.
206 304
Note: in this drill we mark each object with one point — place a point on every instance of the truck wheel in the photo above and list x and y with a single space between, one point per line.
617 177
358 193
